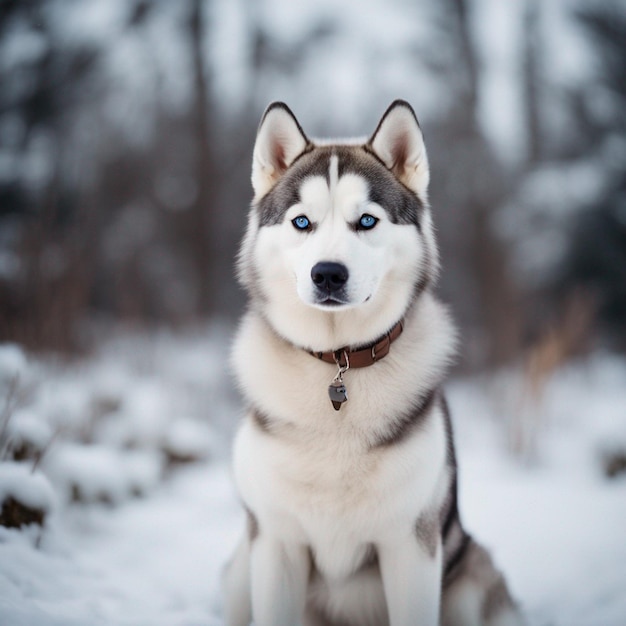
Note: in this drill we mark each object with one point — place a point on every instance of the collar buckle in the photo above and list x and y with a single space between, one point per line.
381 349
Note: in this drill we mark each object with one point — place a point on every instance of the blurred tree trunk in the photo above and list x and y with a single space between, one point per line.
531 55
43 303
202 219
497 297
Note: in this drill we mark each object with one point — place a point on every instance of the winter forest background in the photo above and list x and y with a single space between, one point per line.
126 130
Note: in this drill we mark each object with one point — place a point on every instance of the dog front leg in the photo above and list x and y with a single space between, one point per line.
279 576
236 585
411 576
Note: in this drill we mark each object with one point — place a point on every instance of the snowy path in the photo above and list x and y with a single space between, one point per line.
157 561
557 528
150 562
560 539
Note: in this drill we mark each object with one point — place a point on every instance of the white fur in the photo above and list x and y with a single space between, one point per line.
319 484
289 384
381 275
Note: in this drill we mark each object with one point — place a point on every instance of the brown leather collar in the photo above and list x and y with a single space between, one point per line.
363 357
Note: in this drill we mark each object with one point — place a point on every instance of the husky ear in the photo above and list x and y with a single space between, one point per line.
398 142
279 141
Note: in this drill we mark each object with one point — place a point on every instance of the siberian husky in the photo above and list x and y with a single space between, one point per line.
345 461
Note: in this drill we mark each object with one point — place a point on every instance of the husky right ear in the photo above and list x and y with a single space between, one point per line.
279 141
399 144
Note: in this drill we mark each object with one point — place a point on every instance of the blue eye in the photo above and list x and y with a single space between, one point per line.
367 221
301 222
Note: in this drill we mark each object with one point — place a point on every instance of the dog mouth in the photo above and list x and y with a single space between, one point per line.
330 303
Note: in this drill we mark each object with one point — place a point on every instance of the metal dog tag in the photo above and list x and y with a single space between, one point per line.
337 393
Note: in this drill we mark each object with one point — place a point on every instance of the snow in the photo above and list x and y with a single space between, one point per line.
93 473
17 481
25 428
150 562
186 438
554 523
13 363
146 543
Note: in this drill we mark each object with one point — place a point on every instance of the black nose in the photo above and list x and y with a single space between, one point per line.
329 276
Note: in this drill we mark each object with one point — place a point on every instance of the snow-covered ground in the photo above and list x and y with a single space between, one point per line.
135 536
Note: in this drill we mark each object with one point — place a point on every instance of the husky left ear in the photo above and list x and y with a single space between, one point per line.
398 142
279 141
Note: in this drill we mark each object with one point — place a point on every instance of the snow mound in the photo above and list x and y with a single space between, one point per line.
28 434
13 362
96 473
187 439
25 496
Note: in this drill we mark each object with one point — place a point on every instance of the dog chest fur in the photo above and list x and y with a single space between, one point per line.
337 498
290 386
318 471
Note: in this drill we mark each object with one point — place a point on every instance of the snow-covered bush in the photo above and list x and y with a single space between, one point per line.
25 497
98 473
105 429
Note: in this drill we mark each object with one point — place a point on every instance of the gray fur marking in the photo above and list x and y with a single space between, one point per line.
496 600
261 420
428 531
370 560
455 547
253 525
401 204
402 426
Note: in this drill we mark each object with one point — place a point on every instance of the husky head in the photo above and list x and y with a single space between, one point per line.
340 240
